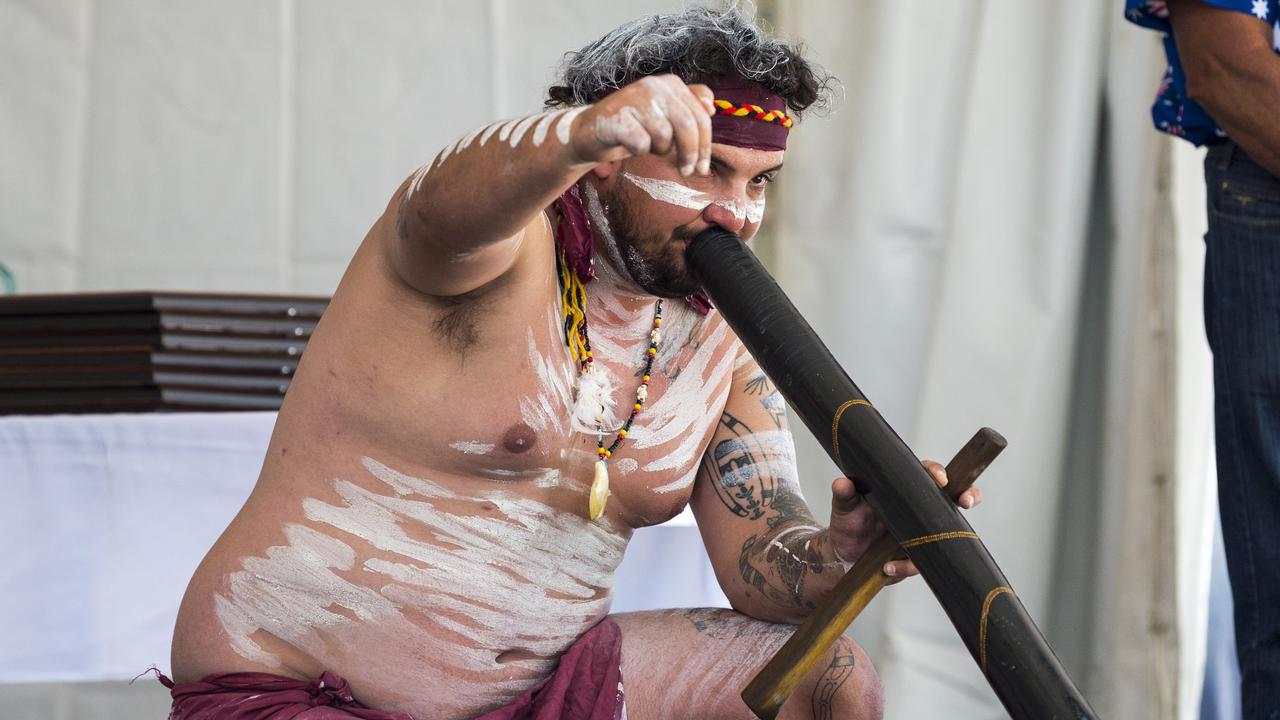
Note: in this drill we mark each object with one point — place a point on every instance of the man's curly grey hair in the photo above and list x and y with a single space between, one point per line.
697 45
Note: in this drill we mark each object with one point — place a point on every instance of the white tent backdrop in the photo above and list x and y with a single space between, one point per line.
983 235
984 232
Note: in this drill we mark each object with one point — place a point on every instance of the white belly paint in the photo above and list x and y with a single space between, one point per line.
479 574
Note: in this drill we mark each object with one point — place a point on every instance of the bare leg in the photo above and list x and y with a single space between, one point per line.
693 663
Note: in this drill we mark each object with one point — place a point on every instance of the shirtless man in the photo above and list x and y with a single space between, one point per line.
420 544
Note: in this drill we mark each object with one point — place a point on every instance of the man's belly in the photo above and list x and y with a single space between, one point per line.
427 599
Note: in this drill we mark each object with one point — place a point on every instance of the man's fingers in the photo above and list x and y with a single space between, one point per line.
704 95
659 115
679 105
899 570
937 472
703 107
970 497
656 120
844 497
626 128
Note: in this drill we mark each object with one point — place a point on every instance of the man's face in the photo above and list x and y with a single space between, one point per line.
653 212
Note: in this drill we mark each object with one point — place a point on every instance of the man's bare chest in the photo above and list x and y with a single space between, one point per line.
512 418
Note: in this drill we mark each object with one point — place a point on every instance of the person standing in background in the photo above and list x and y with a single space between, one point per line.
1222 89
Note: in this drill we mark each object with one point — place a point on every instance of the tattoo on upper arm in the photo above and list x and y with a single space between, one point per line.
770 398
777 408
758 385
841 667
748 467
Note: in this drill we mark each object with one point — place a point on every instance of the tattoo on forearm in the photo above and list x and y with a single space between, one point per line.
754 477
778 564
832 678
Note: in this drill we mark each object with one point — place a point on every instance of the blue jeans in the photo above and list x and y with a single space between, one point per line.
1242 319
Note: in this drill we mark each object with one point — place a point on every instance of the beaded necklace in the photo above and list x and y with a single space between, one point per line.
574 304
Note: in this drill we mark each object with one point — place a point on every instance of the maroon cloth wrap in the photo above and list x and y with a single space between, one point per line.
587 685
573 235
747 132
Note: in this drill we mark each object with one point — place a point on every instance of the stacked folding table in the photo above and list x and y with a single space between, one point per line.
141 351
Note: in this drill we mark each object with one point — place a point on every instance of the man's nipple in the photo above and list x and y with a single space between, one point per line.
519 438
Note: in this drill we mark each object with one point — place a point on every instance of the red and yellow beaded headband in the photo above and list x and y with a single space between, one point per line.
748 115
724 107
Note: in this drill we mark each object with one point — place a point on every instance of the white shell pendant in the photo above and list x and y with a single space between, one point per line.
599 490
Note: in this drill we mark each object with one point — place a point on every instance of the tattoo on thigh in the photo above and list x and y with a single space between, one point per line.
832 678
721 624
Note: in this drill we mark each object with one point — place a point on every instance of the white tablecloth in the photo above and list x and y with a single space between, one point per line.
104 518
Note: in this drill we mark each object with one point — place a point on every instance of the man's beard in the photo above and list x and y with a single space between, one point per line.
655 262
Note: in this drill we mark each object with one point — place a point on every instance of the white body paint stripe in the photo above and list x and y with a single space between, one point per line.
565 124
520 129
540 132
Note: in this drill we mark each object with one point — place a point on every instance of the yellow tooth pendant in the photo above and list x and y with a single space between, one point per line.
599 490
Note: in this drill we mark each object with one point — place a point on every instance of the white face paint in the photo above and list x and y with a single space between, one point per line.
371 580
671 192
750 210
681 195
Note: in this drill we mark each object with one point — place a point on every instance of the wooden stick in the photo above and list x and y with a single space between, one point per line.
793 661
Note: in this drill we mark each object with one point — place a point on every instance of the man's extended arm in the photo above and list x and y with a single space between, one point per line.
462 216
1233 73
772 558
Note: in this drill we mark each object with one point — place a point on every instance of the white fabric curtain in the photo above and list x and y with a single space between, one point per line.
983 234
986 232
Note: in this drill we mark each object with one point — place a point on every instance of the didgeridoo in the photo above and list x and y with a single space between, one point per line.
1000 634
771 686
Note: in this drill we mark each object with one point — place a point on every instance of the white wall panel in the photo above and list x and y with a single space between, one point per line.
535 37
43 47
380 89
182 146
317 277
